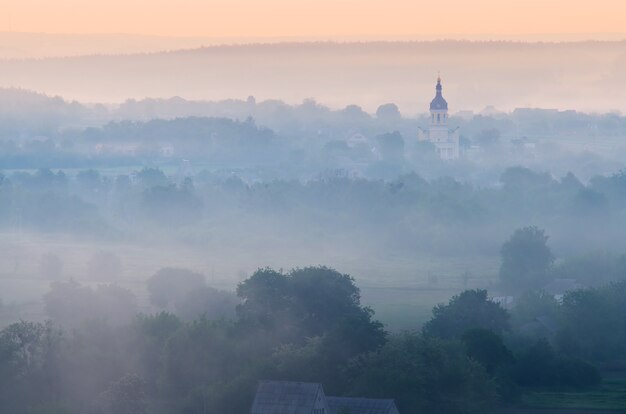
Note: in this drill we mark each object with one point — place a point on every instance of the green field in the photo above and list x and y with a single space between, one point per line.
610 395
402 290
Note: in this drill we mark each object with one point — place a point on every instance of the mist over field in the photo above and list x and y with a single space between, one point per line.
583 75
177 227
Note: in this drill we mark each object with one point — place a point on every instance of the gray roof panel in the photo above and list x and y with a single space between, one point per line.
361 405
285 397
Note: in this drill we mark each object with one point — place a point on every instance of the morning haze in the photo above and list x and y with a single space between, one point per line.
298 207
586 76
275 18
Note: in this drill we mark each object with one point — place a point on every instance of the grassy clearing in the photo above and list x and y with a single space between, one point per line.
610 395
401 289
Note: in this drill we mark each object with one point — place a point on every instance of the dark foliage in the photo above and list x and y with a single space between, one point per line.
526 260
469 310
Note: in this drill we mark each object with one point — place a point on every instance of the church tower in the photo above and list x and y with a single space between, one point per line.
446 141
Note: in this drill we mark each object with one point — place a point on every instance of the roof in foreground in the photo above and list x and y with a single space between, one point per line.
341 405
285 397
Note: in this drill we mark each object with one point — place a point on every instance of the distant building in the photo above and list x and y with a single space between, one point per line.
166 150
121 149
559 287
523 148
504 301
287 397
445 140
185 170
540 327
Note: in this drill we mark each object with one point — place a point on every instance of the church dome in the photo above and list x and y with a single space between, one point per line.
438 103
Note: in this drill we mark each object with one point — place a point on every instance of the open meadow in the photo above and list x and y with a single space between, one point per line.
401 290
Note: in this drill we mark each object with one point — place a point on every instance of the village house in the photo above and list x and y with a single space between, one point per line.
287 397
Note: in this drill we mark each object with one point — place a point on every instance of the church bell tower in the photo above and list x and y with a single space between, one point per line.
446 141
438 107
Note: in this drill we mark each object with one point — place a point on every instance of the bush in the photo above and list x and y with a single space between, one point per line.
538 366
469 310
171 285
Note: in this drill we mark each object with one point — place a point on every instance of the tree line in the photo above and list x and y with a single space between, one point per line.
97 354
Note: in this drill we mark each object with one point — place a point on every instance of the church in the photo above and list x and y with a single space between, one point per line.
445 140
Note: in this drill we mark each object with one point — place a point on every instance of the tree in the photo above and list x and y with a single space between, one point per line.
51 266
45 180
355 113
535 365
488 138
524 180
208 302
533 304
105 266
322 297
390 146
592 269
204 352
424 374
71 304
28 365
125 396
325 358
151 177
169 286
469 310
172 205
389 112
594 320
487 348
68 303
308 302
122 184
526 260
115 304
89 180
538 365
265 298
319 359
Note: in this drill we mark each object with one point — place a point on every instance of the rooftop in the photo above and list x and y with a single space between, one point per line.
341 405
286 397
438 102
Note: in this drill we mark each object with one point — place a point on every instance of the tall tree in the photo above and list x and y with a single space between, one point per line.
470 310
425 375
307 302
526 260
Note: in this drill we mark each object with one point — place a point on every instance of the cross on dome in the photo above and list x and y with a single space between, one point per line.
438 103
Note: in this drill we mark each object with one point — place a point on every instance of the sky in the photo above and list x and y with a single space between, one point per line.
314 18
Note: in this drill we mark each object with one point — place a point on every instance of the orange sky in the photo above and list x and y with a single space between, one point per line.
314 18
